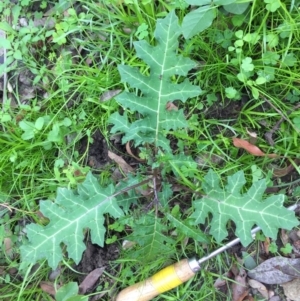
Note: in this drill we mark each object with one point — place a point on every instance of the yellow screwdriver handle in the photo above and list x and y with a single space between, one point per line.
166 279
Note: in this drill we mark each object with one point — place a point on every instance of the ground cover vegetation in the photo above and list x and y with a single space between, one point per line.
137 133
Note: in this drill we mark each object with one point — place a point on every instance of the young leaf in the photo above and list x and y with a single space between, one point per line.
270 58
247 64
223 2
236 8
69 216
198 20
231 92
272 5
148 232
157 88
246 210
185 227
289 60
28 128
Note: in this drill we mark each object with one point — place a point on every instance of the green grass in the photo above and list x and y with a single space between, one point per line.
69 80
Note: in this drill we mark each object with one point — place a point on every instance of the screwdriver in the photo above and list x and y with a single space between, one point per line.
173 275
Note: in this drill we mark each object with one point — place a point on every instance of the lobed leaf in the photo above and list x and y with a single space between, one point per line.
149 233
245 210
69 215
156 89
184 227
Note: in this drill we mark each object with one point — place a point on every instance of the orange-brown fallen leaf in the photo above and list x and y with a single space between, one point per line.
250 148
281 172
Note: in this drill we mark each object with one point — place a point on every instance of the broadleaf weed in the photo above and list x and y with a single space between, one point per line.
154 91
170 85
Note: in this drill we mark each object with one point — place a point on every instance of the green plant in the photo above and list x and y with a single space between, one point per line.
202 18
243 56
287 249
245 210
164 82
71 212
157 89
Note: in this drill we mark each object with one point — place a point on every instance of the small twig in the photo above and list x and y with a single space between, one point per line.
11 208
129 188
277 110
156 200
269 134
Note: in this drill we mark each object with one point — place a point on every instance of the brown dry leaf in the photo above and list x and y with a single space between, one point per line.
8 243
54 273
128 149
281 172
48 287
205 160
260 287
239 288
284 237
275 298
223 281
250 148
252 136
121 162
128 244
219 283
296 246
48 22
291 289
42 219
107 95
292 270
8 247
90 280
294 236
127 30
276 270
